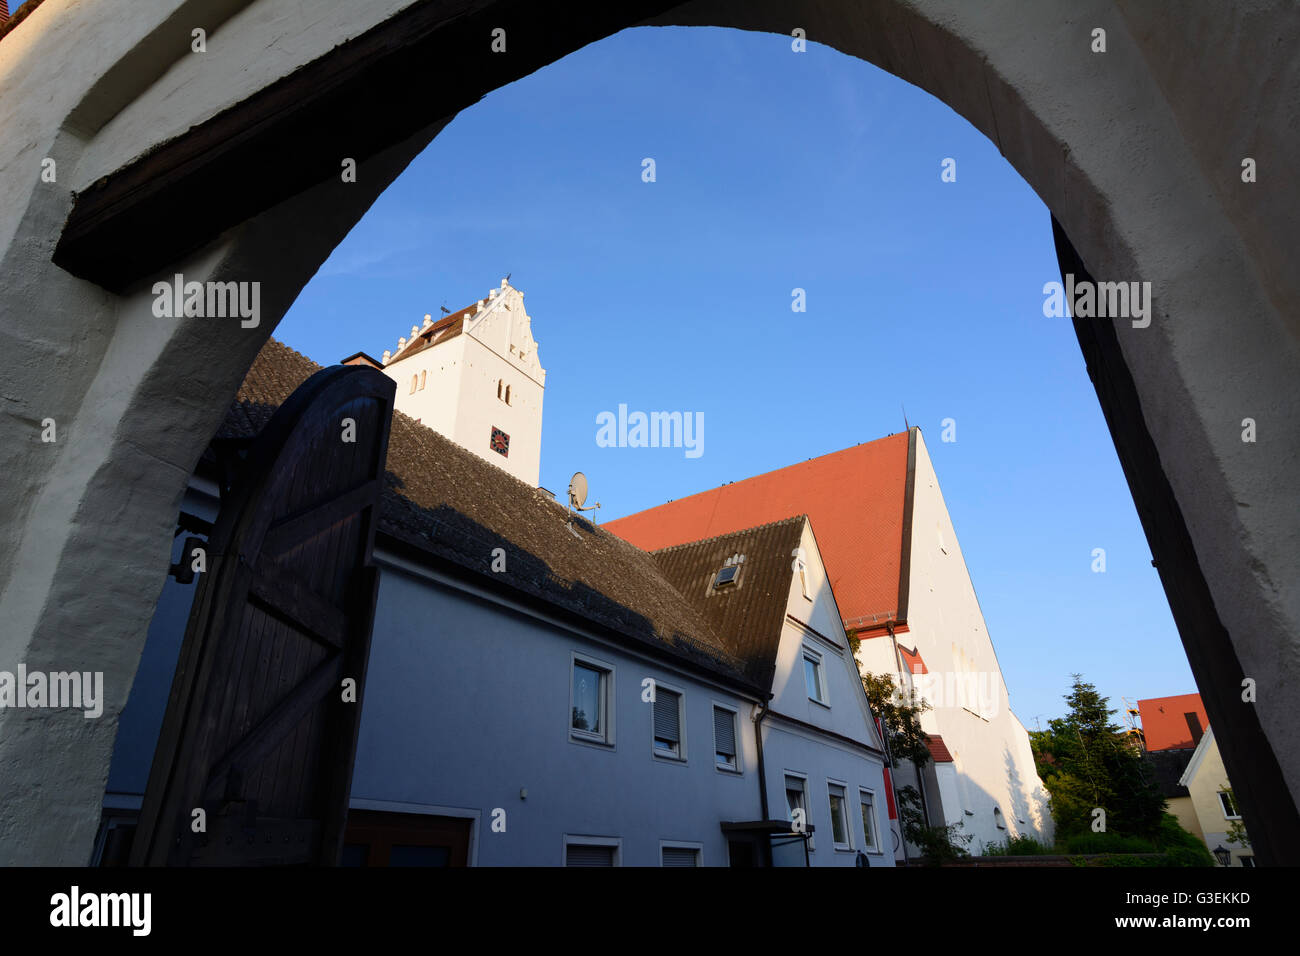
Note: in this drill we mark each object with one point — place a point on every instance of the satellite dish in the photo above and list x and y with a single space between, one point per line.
578 493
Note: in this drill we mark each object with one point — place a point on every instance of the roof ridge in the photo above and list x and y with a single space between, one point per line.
732 534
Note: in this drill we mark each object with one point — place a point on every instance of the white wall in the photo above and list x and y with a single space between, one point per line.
990 747
459 397
467 702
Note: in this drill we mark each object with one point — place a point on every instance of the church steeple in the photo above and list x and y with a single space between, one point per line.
475 376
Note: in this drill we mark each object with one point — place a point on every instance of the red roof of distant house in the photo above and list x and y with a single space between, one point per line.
913 660
1165 723
938 749
853 497
4 10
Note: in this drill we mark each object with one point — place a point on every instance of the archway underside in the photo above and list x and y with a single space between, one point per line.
240 183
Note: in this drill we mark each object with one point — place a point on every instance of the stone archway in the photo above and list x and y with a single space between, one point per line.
224 166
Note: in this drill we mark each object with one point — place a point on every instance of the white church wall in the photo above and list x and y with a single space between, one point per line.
965 686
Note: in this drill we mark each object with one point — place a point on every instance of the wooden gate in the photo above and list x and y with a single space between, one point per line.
260 731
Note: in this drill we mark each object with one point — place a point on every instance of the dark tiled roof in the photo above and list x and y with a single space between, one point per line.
1165 767
748 615
449 503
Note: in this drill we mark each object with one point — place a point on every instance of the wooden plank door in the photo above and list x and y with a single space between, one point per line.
254 761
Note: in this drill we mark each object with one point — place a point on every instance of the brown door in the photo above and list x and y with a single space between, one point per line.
376 838
254 761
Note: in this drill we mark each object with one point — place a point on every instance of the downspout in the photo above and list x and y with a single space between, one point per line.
762 773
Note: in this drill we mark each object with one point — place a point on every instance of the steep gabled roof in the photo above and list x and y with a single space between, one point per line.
445 329
448 503
938 749
854 498
749 614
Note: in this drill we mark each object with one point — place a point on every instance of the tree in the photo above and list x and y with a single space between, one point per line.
900 715
1087 763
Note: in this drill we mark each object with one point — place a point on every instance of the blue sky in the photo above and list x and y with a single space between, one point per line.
775 171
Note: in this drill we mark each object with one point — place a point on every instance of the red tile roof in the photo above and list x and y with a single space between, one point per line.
448 327
913 661
853 497
938 749
1164 721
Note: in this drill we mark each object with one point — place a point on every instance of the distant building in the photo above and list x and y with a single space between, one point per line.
475 377
1173 723
905 596
1208 786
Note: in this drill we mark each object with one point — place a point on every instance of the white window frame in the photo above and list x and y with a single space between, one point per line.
807 808
681 756
682 845
737 770
818 660
606 739
848 825
871 841
1223 805
582 839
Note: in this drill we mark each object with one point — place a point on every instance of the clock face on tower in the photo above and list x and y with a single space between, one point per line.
500 443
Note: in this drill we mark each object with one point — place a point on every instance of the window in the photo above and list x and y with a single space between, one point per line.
423 375
724 738
726 576
796 800
839 817
590 707
1248 860
668 723
812 676
507 394
500 385
675 855
590 851
868 800
415 381
997 818
1229 805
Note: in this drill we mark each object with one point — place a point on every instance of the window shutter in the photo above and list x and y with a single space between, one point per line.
724 732
667 717
581 854
681 856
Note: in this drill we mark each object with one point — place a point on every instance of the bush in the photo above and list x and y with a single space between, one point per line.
1107 843
1019 846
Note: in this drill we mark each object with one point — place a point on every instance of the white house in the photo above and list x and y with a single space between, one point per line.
906 598
541 692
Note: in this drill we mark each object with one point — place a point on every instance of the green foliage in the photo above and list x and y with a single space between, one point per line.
1107 843
936 844
1171 846
900 714
1019 846
1181 847
1086 761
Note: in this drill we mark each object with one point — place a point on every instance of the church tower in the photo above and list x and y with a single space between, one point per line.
475 377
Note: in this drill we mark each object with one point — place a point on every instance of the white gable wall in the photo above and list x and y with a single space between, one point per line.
972 713
820 760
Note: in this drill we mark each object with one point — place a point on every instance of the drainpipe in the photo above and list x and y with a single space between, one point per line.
762 774
902 840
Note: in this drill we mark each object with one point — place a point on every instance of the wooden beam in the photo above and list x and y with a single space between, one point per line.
422 65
